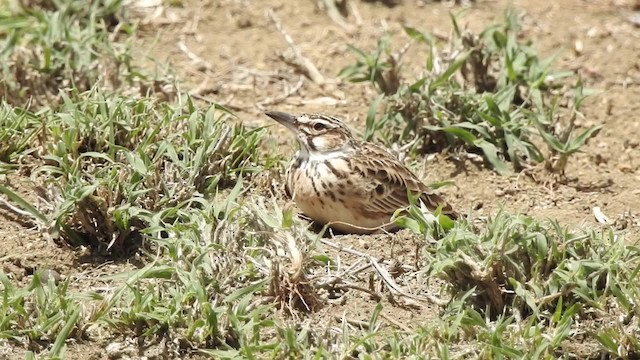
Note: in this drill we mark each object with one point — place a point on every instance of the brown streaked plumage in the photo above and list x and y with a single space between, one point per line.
354 185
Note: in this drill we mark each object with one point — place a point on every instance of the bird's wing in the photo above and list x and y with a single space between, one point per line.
388 180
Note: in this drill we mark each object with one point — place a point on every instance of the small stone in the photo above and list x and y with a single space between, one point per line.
244 22
49 274
578 47
114 350
625 168
599 159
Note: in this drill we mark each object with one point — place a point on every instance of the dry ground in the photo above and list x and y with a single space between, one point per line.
229 51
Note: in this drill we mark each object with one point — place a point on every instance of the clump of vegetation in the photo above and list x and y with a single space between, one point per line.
515 279
111 163
62 45
488 93
43 312
18 128
289 261
518 265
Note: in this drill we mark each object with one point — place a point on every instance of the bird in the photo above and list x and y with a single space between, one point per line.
354 186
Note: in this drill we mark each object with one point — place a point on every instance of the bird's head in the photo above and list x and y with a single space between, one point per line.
317 134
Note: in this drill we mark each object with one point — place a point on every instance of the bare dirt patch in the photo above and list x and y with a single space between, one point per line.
25 250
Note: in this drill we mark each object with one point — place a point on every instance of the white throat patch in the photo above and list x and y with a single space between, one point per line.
322 157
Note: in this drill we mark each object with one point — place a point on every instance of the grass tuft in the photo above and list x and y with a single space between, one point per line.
61 45
289 262
489 94
112 163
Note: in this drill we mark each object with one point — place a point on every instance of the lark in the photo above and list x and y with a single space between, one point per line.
354 186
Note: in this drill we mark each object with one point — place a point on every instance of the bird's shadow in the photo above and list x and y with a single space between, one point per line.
461 166
327 232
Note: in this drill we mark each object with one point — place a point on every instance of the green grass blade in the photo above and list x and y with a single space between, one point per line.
22 203
58 345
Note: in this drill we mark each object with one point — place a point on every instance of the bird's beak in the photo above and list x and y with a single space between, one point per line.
285 119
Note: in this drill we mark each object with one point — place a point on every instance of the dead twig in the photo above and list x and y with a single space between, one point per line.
356 13
25 214
264 74
357 323
198 61
276 100
226 104
351 271
485 277
396 323
347 285
400 152
384 274
335 16
304 64
392 285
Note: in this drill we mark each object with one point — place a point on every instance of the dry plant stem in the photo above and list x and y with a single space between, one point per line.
396 323
116 31
203 88
276 100
227 104
264 74
195 58
296 269
192 27
564 291
401 151
356 13
357 323
348 285
336 17
379 228
350 271
482 275
400 53
384 274
353 270
309 69
18 211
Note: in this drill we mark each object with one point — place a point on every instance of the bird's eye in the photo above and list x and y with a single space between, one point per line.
319 126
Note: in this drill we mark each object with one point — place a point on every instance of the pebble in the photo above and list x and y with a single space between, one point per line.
49 274
631 143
